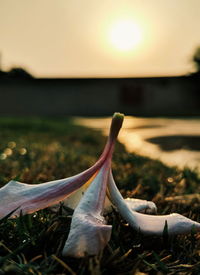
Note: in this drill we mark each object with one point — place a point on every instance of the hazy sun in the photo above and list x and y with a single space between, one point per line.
125 35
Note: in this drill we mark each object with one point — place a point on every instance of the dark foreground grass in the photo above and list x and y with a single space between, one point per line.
35 151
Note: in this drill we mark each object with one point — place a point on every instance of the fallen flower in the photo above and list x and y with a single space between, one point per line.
88 233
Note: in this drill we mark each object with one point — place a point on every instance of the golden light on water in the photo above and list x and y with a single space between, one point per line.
136 132
125 35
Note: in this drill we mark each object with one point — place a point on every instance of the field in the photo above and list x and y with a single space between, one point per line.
38 150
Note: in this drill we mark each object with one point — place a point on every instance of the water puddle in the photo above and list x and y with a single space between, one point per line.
173 141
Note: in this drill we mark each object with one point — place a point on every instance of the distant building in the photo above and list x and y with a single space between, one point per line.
21 94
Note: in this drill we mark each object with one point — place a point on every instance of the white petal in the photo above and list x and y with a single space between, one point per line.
88 232
73 200
137 205
150 224
28 198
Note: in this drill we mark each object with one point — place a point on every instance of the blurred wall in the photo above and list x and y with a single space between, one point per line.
95 97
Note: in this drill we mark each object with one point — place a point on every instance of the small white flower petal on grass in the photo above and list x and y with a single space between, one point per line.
150 224
88 232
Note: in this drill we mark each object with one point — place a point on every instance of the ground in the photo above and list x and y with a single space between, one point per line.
38 150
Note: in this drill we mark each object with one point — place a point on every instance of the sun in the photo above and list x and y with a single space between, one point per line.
125 35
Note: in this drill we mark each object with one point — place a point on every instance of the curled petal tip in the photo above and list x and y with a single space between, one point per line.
141 205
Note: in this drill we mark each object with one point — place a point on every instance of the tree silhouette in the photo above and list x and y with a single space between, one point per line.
196 60
19 73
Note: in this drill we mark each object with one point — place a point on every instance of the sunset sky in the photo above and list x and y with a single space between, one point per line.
92 38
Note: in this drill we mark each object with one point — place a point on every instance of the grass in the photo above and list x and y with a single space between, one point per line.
39 150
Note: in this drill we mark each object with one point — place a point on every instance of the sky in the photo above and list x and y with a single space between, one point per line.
92 38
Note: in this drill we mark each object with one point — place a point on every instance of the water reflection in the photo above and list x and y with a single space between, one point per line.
173 141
